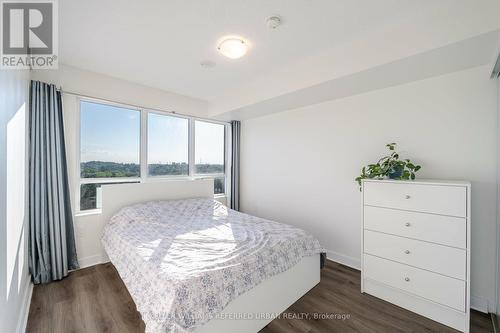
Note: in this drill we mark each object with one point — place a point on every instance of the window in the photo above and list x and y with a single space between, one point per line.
209 148
109 141
111 148
168 142
209 152
90 194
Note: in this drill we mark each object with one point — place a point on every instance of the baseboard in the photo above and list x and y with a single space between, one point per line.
496 322
25 308
343 259
480 304
92 260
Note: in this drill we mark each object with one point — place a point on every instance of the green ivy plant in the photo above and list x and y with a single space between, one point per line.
389 166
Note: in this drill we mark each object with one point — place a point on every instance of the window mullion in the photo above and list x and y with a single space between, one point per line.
78 154
191 147
112 180
144 146
228 159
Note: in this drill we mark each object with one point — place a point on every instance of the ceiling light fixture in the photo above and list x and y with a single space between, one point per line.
233 47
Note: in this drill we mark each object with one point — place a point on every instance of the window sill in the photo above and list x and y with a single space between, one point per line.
88 212
99 211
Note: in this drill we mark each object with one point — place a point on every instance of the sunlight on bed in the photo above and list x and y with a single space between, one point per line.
146 250
201 250
220 212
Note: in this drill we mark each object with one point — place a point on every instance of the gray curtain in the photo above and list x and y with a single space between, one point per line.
235 165
52 249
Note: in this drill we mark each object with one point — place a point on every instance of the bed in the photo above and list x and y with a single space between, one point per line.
193 265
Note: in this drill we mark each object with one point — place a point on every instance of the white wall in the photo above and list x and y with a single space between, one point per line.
498 220
299 166
102 86
15 283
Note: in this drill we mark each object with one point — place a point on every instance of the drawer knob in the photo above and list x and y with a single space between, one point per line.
407 224
407 251
407 279
407 196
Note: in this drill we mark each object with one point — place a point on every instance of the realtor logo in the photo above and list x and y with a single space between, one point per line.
29 34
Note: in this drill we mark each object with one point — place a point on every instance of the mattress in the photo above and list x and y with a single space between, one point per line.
183 261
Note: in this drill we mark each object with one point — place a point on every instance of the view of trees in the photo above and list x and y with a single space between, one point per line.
100 169
209 168
172 169
88 196
219 185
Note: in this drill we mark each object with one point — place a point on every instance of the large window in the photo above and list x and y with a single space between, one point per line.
123 145
109 148
168 142
209 152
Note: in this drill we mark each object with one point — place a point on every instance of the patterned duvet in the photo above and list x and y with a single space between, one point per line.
183 261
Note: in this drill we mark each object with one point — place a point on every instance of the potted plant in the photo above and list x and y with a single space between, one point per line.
389 167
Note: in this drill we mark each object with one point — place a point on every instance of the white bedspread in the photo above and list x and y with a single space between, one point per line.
183 261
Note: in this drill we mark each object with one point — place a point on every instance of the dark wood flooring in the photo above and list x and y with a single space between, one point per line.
95 299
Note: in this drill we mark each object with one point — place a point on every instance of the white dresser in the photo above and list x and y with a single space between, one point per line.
416 247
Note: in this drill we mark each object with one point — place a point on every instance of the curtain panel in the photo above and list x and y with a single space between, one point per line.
235 165
52 251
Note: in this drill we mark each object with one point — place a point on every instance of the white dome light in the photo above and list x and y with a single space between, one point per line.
233 47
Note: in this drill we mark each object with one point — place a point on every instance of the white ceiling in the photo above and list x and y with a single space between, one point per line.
471 52
160 43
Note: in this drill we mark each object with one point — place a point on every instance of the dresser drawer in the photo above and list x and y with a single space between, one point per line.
435 287
437 258
445 200
446 230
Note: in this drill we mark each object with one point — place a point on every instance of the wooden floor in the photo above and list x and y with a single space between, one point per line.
95 299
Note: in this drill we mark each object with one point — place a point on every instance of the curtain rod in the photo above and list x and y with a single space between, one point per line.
137 106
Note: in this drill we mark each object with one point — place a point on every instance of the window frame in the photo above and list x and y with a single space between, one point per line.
143 152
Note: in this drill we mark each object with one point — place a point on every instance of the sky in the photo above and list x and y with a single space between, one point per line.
208 143
167 139
112 134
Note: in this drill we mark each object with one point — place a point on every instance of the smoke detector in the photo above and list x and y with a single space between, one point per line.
207 64
273 22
